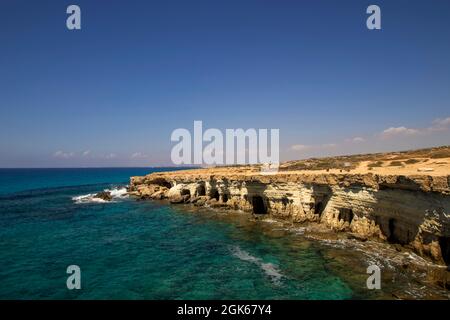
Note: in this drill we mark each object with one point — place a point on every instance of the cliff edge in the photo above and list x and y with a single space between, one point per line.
410 208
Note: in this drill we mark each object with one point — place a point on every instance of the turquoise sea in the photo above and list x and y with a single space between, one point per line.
130 249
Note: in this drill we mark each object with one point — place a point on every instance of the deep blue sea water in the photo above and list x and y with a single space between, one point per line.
132 249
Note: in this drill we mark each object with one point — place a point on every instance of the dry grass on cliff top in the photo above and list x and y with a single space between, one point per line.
431 161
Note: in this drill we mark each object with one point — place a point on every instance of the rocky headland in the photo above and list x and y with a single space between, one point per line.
361 195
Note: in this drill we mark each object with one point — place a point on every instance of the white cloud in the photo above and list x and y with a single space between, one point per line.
111 156
398 131
357 140
86 153
362 144
437 125
325 146
63 155
300 147
138 155
440 124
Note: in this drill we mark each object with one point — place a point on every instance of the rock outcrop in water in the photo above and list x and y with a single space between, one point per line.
413 211
104 195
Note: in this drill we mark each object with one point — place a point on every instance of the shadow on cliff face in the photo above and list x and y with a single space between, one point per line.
444 243
321 195
401 232
257 199
397 231
401 183
346 214
218 193
201 190
160 182
185 192
258 205
214 194
424 227
408 216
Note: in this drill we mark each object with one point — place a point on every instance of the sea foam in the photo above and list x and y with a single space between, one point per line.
116 194
269 269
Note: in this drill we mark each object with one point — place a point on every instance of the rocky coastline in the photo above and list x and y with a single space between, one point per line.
356 197
411 211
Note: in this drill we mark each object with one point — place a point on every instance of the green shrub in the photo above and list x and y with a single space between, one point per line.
411 161
375 164
395 164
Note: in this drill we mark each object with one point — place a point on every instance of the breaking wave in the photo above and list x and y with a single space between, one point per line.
116 194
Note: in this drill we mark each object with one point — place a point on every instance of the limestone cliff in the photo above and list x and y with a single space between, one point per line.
413 211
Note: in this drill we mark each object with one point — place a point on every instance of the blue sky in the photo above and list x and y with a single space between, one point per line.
111 93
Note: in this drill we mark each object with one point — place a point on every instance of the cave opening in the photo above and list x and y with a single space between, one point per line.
161 182
258 205
318 208
392 226
398 232
320 198
224 197
201 191
185 192
444 243
215 194
346 215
